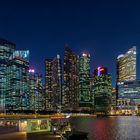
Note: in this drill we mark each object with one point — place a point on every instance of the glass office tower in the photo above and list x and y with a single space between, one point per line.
127 86
126 65
128 91
102 90
17 97
85 98
35 91
6 50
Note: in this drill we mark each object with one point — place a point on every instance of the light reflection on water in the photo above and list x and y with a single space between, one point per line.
109 128
106 128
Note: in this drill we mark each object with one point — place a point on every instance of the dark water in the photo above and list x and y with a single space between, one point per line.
109 128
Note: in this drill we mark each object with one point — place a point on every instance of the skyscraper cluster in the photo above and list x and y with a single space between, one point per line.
76 84
19 89
69 84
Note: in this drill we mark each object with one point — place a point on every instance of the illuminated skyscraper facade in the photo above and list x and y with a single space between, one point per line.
128 94
127 86
126 66
85 98
35 91
48 84
102 90
6 50
53 80
70 91
17 97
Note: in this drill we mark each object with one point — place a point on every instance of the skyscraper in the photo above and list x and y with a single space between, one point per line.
35 91
53 80
102 90
6 50
85 98
128 94
70 94
126 78
48 83
17 97
126 65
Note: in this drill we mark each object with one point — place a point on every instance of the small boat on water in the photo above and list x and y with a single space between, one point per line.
79 135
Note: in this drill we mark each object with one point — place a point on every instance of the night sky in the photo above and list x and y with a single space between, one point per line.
104 28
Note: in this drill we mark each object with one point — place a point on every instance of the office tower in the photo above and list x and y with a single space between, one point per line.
114 103
126 66
127 83
70 94
17 97
6 50
85 98
128 94
53 83
102 90
48 83
35 91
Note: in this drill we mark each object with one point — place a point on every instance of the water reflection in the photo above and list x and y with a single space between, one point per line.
111 128
107 128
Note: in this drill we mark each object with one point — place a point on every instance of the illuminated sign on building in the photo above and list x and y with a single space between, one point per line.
100 70
31 70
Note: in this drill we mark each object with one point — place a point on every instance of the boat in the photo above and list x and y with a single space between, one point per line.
79 135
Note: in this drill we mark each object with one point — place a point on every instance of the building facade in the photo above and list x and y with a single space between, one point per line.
85 98
128 94
102 90
35 91
127 86
70 94
6 50
53 86
17 97
126 65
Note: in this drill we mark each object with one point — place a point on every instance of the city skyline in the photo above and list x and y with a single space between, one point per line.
44 29
69 69
38 70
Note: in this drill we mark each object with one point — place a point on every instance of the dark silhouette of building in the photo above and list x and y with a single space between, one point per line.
70 87
53 83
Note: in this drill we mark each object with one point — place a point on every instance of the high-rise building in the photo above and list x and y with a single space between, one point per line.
70 92
85 98
48 83
102 90
35 91
53 86
126 66
114 103
128 94
17 97
6 50
126 86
